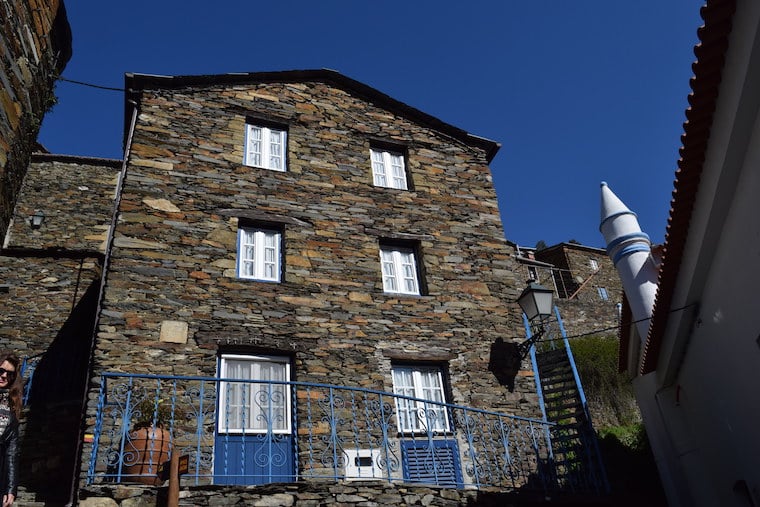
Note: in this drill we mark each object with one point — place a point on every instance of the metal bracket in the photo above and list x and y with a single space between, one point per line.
524 347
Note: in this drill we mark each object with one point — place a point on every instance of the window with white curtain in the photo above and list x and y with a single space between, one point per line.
425 383
388 169
265 147
259 253
255 407
399 270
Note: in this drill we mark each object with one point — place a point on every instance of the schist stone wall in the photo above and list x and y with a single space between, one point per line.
586 310
46 270
304 495
186 191
34 48
76 198
50 278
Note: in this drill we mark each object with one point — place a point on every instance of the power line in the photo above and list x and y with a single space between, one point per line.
82 83
613 328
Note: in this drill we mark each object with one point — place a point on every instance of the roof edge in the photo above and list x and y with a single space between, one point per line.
577 246
135 83
57 157
705 84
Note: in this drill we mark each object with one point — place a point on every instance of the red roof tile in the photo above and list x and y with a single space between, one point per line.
708 69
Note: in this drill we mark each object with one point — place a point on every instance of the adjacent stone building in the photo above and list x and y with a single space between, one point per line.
50 272
586 286
34 48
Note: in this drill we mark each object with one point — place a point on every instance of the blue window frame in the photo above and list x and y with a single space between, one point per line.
259 254
388 169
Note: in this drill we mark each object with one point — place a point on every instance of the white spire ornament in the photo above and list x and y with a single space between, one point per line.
630 249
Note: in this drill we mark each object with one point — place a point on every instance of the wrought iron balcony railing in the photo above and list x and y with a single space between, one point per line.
252 432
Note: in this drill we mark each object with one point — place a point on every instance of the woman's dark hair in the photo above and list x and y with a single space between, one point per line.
17 386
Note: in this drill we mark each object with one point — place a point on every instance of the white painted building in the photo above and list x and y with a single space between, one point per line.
698 367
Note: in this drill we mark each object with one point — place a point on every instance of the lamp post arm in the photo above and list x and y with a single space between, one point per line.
524 347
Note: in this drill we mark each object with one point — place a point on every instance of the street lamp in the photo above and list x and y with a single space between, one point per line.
36 220
537 302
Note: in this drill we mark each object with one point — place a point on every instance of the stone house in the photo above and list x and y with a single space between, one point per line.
307 274
290 278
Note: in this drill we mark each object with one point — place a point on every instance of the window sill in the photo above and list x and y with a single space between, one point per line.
265 168
243 279
404 295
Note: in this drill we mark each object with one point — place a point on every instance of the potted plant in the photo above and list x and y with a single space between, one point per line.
150 413
149 440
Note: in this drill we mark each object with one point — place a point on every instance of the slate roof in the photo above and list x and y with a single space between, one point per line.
136 83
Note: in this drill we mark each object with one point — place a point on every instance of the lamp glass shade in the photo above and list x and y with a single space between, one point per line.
536 300
37 219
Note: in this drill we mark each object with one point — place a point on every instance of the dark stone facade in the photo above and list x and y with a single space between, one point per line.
51 279
34 48
185 191
187 150
171 257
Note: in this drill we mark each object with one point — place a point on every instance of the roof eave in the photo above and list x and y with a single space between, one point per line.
708 69
135 83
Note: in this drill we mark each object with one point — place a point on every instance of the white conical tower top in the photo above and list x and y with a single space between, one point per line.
619 225
611 204
629 248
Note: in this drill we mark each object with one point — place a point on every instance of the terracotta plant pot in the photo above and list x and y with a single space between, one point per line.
147 449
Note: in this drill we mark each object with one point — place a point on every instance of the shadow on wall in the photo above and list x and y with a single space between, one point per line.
50 440
504 362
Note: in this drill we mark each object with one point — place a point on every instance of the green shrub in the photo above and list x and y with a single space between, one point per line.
609 393
633 436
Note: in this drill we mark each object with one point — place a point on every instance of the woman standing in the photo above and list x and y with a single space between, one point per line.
10 411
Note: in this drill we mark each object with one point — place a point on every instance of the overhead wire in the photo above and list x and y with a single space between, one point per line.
611 328
82 83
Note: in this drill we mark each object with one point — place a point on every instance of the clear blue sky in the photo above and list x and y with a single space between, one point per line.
576 92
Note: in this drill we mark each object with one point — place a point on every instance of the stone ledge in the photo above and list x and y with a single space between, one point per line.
328 493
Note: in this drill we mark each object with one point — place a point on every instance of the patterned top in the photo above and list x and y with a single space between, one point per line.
5 410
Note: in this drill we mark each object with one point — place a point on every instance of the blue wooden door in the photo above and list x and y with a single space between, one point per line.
254 437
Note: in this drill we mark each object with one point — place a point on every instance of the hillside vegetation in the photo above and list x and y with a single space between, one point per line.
631 470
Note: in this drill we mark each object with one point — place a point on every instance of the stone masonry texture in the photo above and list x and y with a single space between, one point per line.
186 191
369 494
585 311
50 280
34 48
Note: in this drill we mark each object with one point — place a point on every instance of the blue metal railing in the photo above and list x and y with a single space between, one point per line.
252 432
596 468
589 476
28 365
